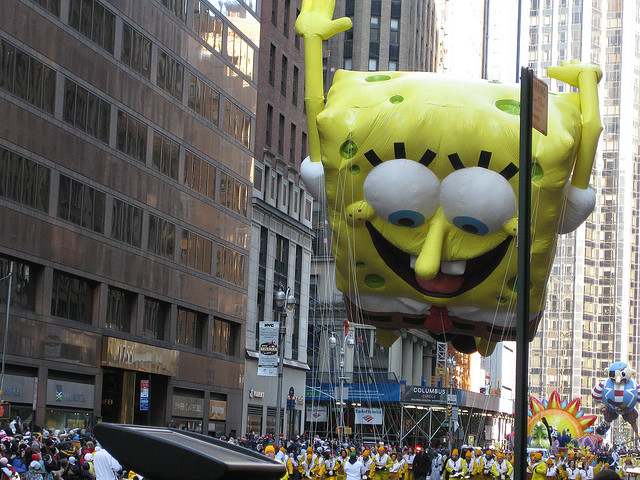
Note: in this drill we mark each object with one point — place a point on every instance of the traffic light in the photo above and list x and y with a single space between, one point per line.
449 411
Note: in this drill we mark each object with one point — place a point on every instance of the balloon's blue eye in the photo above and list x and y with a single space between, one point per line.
406 218
471 225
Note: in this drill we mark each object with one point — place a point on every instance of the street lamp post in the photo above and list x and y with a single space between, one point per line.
6 328
347 340
285 301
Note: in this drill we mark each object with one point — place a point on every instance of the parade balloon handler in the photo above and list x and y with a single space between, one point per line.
419 177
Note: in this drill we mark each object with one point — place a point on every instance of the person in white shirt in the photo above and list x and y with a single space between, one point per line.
408 460
105 465
397 466
354 468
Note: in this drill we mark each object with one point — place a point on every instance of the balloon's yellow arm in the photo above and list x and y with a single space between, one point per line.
315 24
585 78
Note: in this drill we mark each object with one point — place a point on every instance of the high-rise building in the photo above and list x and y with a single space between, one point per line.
592 312
126 150
386 35
280 253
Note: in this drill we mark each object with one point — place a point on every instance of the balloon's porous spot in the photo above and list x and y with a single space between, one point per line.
536 171
396 99
354 169
374 281
509 106
377 78
348 149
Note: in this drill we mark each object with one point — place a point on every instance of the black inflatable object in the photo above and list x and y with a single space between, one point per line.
166 454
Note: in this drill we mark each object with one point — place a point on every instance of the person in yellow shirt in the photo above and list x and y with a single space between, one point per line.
367 464
341 475
380 465
538 467
502 468
409 457
270 452
477 469
456 467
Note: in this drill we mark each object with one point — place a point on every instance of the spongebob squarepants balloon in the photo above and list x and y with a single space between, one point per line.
420 174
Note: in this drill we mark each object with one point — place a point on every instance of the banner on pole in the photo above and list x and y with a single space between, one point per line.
368 416
268 349
316 413
144 395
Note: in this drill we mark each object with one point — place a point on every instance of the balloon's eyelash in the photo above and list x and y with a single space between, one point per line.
484 159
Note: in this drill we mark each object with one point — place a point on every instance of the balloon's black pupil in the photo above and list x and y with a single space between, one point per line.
470 228
405 222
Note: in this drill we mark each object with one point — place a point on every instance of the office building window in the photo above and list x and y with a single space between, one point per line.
281 134
274 12
24 181
269 126
203 99
237 123
119 309
257 177
272 64
132 137
225 335
162 237
196 251
23 290
136 50
126 223
303 145
177 7
208 25
230 266
26 77
155 318
71 297
292 144
199 175
52 5
307 210
94 21
373 64
166 155
283 75
240 52
297 289
281 265
86 111
170 74
190 328
262 276
233 194
393 65
81 204
287 14
294 92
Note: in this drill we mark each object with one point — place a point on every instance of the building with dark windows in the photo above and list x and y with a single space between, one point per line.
386 35
126 155
280 251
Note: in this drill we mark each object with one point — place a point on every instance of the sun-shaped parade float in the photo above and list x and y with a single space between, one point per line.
556 420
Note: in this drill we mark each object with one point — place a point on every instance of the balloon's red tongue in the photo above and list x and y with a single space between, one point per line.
442 283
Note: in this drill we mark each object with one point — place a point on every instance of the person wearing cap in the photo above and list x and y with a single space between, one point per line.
538 467
342 459
328 466
477 467
502 468
380 464
487 464
409 458
307 466
367 463
552 470
456 467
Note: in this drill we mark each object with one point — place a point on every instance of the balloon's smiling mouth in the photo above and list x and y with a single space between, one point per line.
454 278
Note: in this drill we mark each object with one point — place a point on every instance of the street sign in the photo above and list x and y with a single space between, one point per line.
540 111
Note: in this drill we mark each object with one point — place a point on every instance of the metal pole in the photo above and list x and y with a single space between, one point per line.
524 247
485 41
281 331
6 328
518 42
341 434
401 424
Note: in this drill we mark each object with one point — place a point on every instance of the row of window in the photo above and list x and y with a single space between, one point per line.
28 183
73 298
97 23
284 74
26 77
268 136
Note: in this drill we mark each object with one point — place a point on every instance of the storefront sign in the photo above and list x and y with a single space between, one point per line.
144 395
316 413
217 410
428 395
356 392
186 406
368 416
268 349
19 389
139 357
70 394
255 394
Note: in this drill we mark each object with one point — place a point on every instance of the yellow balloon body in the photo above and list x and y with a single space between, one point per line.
467 128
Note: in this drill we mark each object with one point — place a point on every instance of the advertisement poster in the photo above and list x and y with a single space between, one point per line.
316 413
368 416
268 349
144 395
